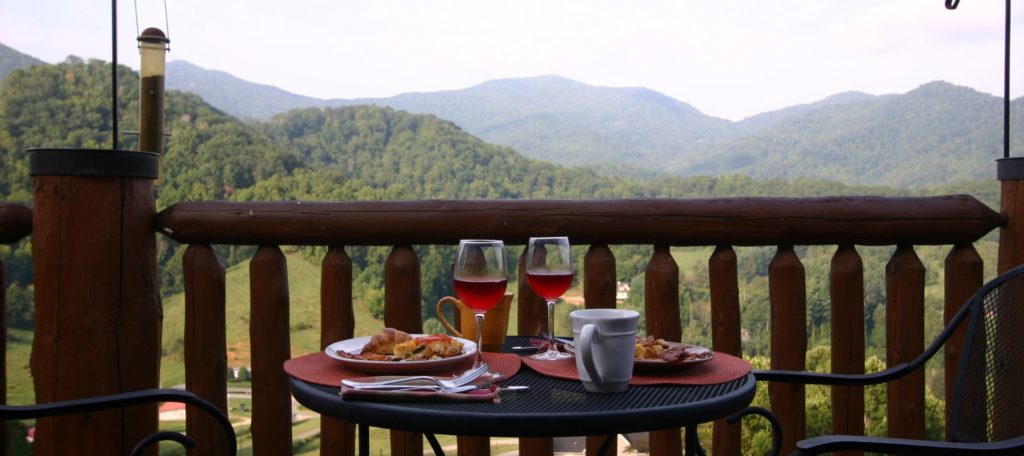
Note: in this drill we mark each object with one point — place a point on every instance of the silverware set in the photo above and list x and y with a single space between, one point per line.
459 384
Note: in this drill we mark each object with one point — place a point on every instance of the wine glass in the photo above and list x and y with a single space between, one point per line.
549 271
480 279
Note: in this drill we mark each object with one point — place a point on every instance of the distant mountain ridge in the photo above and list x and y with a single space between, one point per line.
937 133
563 121
632 131
11 60
238 97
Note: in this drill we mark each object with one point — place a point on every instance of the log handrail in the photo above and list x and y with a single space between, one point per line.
15 222
862 220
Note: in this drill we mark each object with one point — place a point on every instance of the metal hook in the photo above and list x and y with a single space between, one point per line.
167 24
952 4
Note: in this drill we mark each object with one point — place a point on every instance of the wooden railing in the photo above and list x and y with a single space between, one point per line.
783 222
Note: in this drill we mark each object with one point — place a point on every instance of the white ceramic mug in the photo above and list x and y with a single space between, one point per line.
605 341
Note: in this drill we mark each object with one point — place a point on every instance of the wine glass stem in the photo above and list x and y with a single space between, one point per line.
479 338
551 327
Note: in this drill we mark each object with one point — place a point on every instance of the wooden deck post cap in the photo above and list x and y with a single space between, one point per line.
1010 168
93 162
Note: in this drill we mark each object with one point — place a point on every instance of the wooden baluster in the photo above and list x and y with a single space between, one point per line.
473 445
271 347
533 310
205 344
661 309
846 289
787 294
337 322
964 276
533 317
725 333
599 279
402 311
904 341
15 223
4 431
599 287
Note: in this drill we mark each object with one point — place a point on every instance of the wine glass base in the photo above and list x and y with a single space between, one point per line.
551 355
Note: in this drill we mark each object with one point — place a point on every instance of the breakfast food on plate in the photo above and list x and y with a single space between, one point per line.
651 348
428 347
393 345
383 343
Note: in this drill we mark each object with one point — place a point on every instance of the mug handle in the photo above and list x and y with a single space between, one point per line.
588 335
440 314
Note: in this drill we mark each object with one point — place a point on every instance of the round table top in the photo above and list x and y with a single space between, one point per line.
550 407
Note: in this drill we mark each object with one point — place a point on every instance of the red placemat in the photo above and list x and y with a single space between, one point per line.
323 370
721 369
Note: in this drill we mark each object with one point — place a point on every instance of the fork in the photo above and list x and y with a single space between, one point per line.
461 380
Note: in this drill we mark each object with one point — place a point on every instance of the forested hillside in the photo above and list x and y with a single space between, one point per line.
935 134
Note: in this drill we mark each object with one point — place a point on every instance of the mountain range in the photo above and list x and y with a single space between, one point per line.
11 59
932 135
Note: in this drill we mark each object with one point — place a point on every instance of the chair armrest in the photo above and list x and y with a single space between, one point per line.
772 420
113 401
819 378
831 443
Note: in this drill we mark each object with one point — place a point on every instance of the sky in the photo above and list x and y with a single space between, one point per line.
728 58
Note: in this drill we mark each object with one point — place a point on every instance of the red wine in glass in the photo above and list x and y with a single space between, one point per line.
480 278
549 284
480 293
549 272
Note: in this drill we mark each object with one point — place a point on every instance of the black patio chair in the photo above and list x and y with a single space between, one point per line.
993 346
113 401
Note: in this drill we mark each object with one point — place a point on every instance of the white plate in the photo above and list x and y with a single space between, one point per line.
355 346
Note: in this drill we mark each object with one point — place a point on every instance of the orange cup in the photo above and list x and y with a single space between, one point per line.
495 323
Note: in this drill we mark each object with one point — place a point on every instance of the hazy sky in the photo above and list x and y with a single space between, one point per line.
728 58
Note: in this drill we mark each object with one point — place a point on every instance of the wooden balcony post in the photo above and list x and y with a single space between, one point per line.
205 344
337 322
725 334
787 294
661 312
1008 386
846 290
402 294
98 313
964 275
904 341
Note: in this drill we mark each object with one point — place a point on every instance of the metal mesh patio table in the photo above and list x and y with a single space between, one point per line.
550 407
